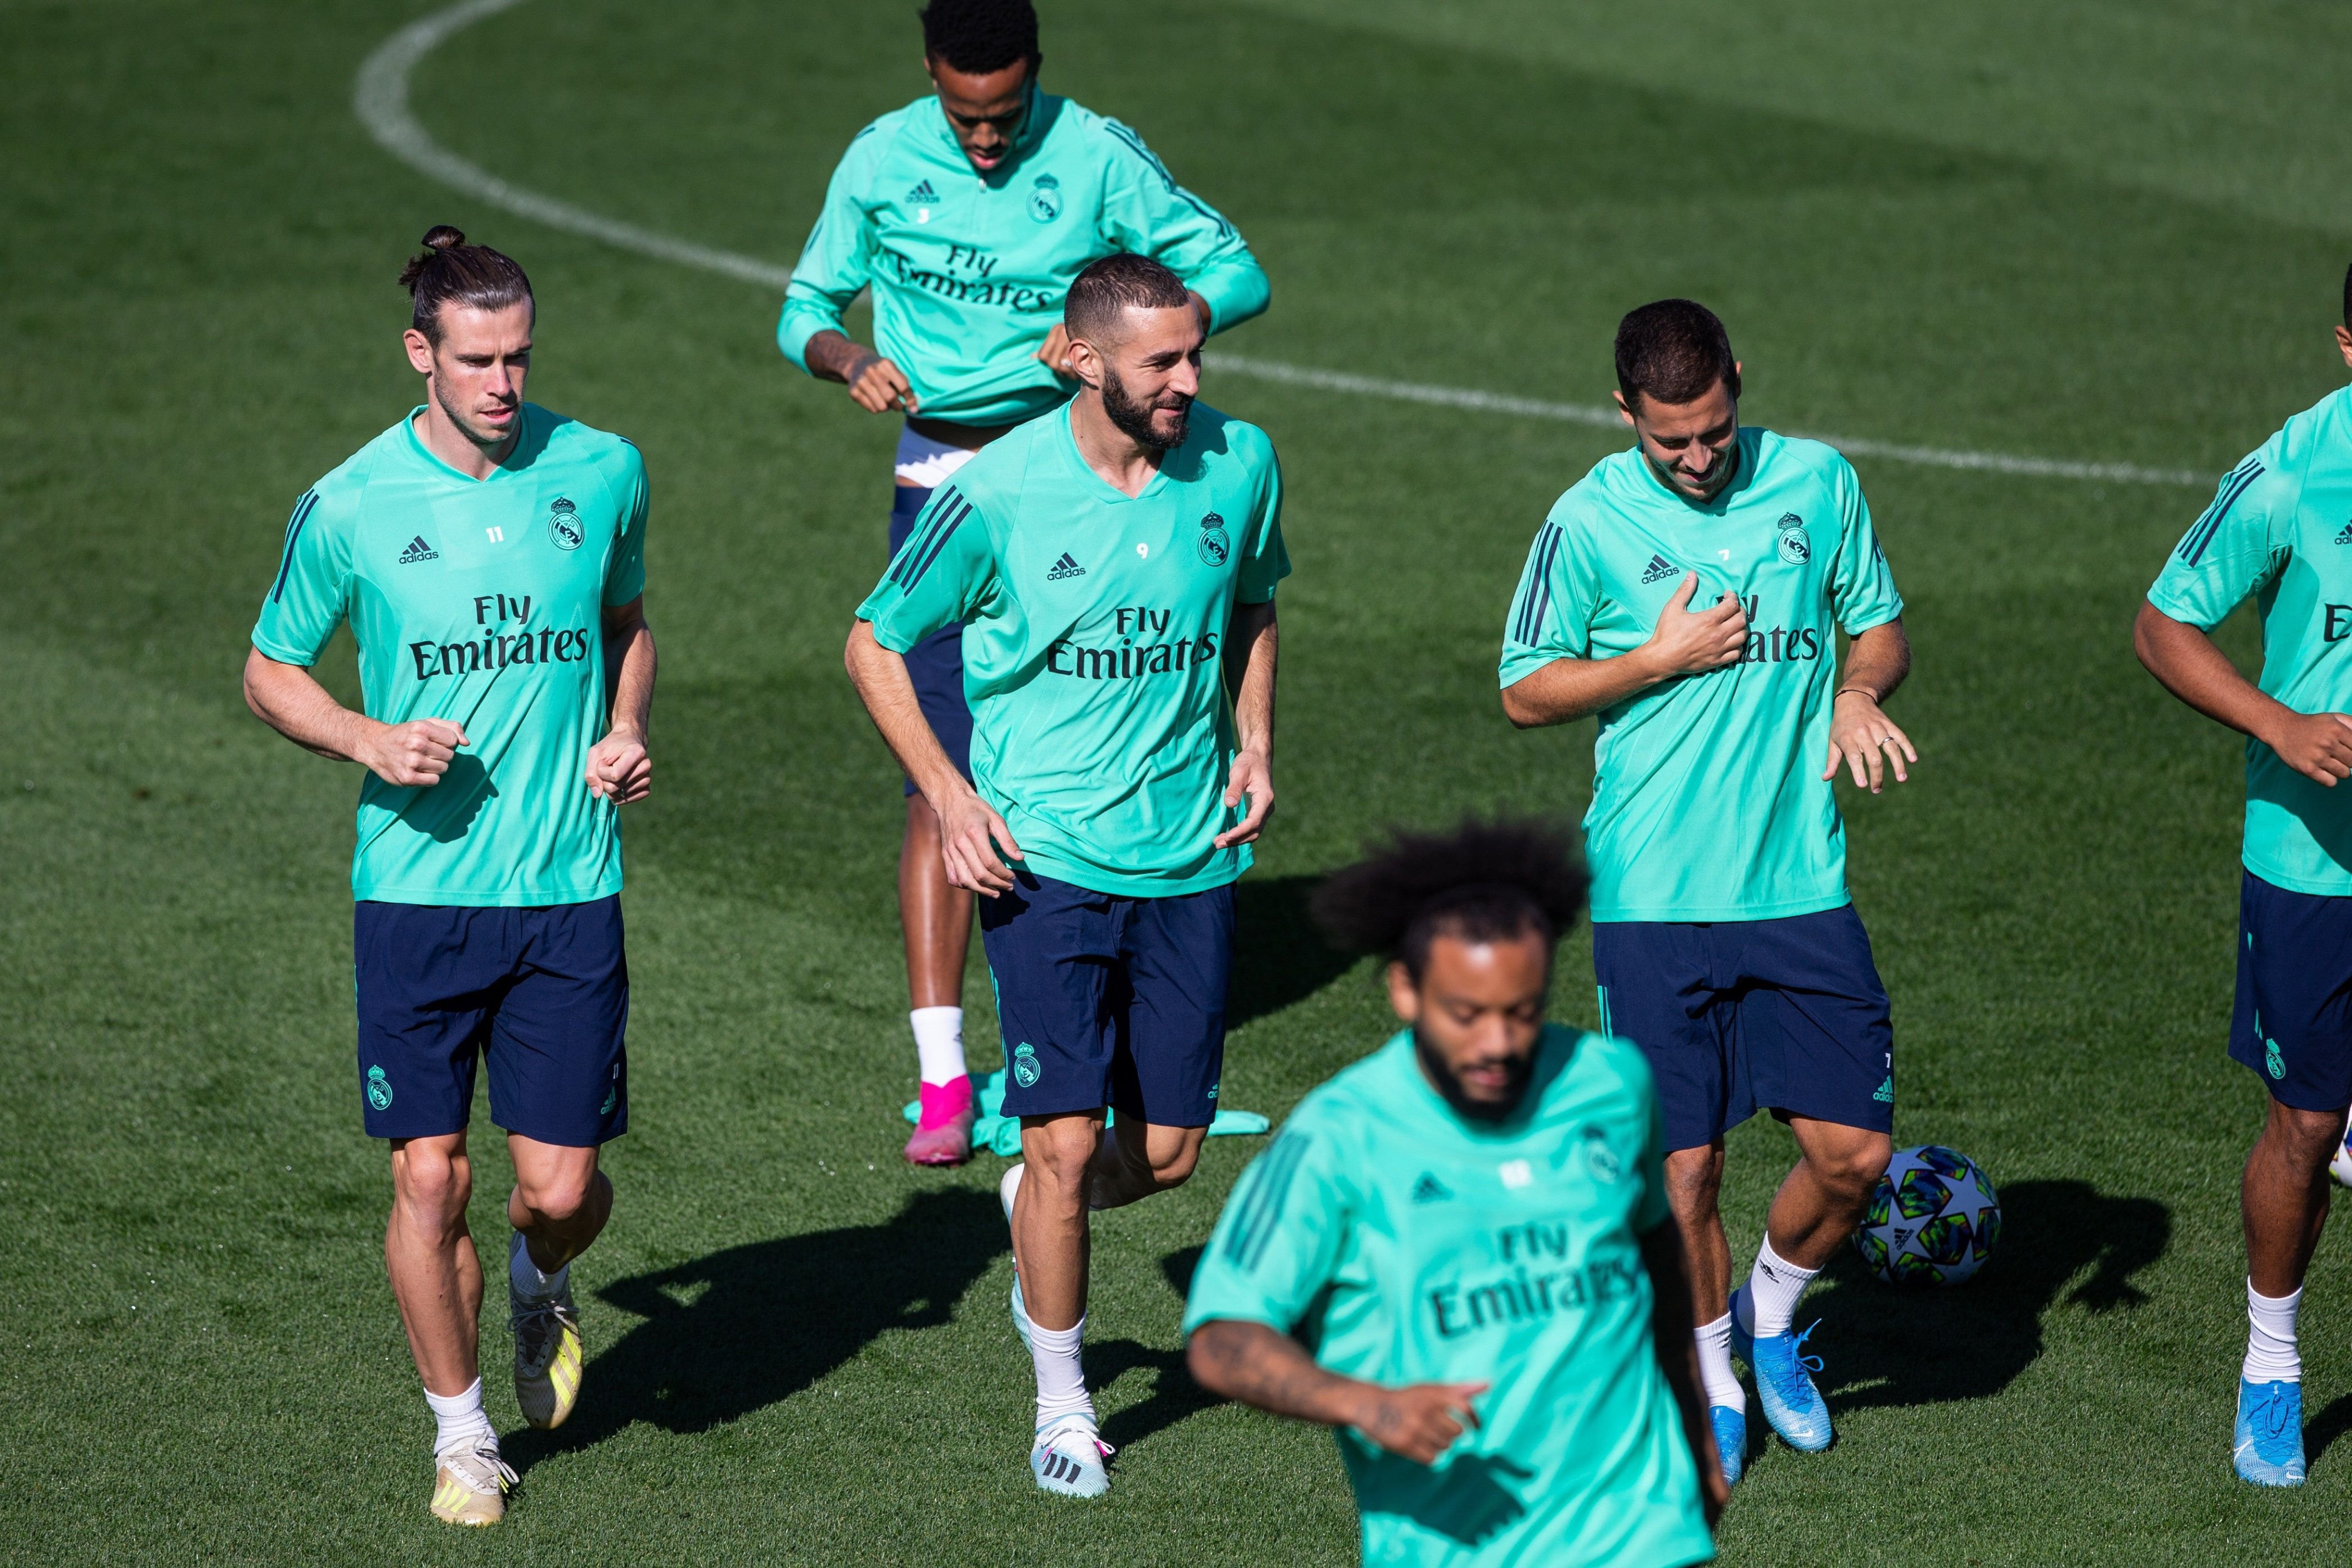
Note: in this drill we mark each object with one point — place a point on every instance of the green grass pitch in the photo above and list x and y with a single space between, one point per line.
2070 229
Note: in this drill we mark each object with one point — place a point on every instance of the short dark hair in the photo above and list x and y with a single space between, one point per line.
979 36
1117 282
449 270
1484 882
1673 351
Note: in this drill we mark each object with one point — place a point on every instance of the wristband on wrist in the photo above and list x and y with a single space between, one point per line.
1866 691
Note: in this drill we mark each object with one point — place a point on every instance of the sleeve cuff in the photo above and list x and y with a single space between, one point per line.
1235 292
802 320
2173 607
283 654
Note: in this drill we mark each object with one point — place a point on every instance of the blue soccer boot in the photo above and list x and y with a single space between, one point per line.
1730 1440
1783 1382
2269 1441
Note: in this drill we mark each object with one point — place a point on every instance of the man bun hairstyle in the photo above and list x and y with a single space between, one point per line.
977 36
1484 882
1117 283
1672 351
449 270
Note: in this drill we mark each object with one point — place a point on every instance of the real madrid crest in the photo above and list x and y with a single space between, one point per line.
1045 199
1795 549
563 525
1214 546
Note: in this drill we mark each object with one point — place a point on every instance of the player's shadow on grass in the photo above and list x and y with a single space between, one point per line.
737 1331
1888 1346
1279 957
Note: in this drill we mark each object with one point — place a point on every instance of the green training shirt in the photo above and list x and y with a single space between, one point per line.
479 601
1403 1244
1707 796
967 270
1094 630
2280 528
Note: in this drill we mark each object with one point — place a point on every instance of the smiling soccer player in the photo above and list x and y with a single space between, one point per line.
1114 565
967 214
488 557
1725 941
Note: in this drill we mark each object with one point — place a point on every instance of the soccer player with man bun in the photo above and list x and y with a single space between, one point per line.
1690 590
1113 564
2276 533
488 557
967 214
1458 1251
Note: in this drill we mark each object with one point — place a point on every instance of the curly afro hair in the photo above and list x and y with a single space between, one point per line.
1484 882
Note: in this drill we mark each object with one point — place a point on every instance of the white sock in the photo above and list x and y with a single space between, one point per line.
1715 1372
460 1418
1061 1384
2271 1355
528 1280
939 1044
1773 1286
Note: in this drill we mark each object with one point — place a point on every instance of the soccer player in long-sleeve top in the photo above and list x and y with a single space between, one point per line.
967 214
1114 564
2276 532
1726 943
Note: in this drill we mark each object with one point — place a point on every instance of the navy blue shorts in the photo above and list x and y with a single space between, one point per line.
543 993
2293 1022
1109 1001
937 661
1738 1016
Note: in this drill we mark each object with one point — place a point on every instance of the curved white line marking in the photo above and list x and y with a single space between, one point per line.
380 98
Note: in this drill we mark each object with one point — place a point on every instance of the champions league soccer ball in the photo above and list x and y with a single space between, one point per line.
1933 1220
2340 1168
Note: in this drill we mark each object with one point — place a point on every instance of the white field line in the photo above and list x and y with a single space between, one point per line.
380 98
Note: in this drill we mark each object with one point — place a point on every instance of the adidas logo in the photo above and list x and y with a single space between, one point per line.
1063 567
418 550
922 196
1886 1096
1659 569
2346 537
1428 1190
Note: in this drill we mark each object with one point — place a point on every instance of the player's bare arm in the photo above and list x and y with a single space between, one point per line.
2192 667
1672 1320
875 385
1251 655
1254 1365
970 832
1861 738
1685 643
289 700
618 767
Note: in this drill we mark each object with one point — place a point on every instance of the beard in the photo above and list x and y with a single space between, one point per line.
1134 418
1432 1062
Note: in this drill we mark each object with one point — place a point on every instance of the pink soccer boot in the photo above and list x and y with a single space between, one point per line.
942 1133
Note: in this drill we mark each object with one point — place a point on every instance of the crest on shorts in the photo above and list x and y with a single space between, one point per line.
1026 1071
563 525
1045 199
1213 546
1795 547
379 1093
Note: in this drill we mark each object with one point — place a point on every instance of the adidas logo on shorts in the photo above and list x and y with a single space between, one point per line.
1659 569
1066 567
418 550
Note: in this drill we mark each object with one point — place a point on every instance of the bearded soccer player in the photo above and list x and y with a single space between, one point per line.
2276 533
1725 941
1114 565
1458 1251
489 559
967 214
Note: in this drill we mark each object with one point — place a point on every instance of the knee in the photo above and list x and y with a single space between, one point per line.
1058 1153
1694 1180
1175 1170
2308 1138
432 1183
1853 1172
554 1200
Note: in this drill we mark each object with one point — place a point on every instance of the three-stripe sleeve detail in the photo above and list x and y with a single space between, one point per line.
302 510
1270 1181
1135 144
2193 544
946 512
1538 603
